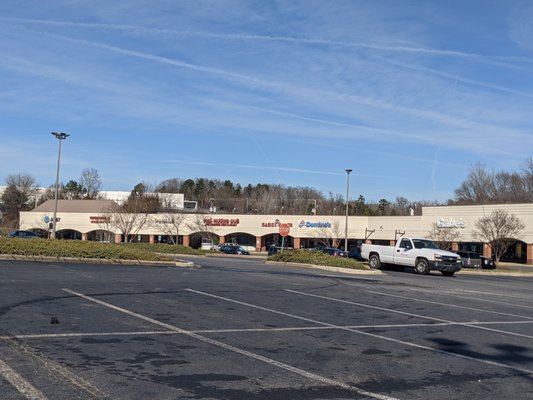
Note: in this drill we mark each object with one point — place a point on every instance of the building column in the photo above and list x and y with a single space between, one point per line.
297 242
455 246
392 243
186 241
258 243
368 241
221 239
519 249
530 254
118 238
84 236
151 239
487 251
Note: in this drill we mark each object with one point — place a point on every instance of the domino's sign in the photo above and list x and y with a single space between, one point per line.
313 224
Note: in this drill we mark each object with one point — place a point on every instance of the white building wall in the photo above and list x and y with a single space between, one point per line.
309 226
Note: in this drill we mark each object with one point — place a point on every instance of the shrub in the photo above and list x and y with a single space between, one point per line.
164 248
76 249
317 258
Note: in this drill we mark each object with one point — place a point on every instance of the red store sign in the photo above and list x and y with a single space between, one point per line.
221 222
274 224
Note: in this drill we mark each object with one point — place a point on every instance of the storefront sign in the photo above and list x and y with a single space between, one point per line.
164 221
274 224
313 224
221 222
100 219
451 223
48 219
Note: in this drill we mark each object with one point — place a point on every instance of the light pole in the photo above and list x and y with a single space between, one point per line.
346 223
60 136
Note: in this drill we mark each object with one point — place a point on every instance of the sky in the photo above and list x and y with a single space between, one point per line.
408 94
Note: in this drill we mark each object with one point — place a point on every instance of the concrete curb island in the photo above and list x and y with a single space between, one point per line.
175 263
328 268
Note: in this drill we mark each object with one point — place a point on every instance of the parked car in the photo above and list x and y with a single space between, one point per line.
487 263
332 251
23 235
355 253
276 249
469 259
232 249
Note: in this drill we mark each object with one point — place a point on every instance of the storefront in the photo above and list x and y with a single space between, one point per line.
87 220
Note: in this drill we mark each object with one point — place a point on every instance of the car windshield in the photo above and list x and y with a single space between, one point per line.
424 244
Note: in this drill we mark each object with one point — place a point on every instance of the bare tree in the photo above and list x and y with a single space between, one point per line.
19 195
477 188
509 188
201 224
444 237
170 224
126 220
527 176
500 230
90 182
330 237
105 223
401 206
266 201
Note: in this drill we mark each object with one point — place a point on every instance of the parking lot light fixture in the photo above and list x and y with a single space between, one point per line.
60 136
347 196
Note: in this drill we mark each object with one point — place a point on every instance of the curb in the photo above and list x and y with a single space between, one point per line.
484 273
328 268
176 263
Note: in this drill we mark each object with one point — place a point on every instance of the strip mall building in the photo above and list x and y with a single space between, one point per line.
84 220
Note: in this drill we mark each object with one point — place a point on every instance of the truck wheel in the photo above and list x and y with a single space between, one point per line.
374 262
447 273
422 267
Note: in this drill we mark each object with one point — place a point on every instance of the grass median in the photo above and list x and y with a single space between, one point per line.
83 249
317 258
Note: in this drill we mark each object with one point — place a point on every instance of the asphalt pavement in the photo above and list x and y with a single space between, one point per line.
240 328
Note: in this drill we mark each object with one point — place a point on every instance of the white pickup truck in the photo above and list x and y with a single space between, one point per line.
422 254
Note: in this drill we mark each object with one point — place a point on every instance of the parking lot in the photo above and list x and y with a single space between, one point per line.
239 328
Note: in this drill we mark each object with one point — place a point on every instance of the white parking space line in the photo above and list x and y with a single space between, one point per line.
55 369
403 342
83 334
22 385
451 305
411 314
511 295
251 330
234 349
461 294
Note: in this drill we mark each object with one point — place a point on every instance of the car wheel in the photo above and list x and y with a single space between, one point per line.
447 273
374 261
422 267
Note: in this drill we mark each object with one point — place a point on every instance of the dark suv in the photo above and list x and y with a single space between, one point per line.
470 259
23 235
233 249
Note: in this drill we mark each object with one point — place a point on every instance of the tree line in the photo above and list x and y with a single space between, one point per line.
481 186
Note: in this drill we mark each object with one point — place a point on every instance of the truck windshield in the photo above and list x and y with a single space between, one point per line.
424 244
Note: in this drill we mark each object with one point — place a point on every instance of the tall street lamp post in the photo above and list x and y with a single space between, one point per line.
346 223
60 136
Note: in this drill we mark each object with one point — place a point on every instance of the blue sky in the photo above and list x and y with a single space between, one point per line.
408 94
